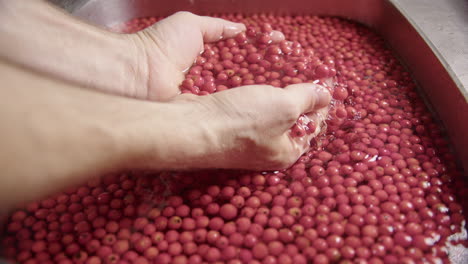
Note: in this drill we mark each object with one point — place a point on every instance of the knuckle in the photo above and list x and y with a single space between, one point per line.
287 161
280 158
184 14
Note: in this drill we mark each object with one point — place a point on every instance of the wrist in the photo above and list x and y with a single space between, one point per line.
168 136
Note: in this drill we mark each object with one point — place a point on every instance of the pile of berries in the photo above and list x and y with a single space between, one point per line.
379 186
252 57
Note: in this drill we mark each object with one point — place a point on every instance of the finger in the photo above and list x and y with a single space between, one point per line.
318 117
300 144
303 143
308 96
214 29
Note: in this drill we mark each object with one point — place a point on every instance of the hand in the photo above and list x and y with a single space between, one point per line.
248 127
170 47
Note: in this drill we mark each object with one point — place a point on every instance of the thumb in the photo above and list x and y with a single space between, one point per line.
308 96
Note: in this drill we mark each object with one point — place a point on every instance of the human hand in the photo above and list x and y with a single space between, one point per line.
248 127
169 47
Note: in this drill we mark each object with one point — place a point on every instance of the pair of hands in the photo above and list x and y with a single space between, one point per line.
250 125
84 133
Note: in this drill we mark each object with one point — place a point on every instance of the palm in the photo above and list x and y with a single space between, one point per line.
172 45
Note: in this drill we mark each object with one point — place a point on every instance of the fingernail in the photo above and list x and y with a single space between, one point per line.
323 97
277 36
233 30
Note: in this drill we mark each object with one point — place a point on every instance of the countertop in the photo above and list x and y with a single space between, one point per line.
444 23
